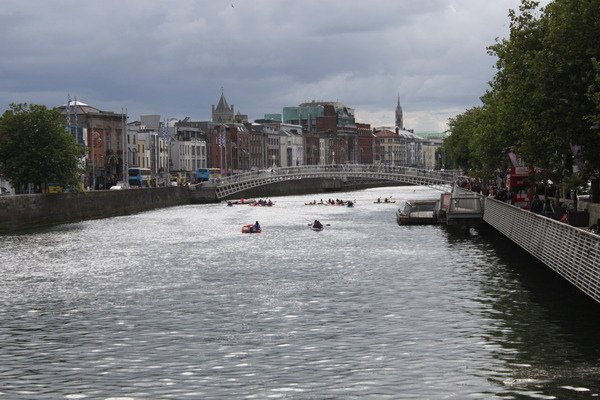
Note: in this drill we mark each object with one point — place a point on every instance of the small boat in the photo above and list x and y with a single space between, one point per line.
262 203
317 228
417 212
385 201
241 201
249 228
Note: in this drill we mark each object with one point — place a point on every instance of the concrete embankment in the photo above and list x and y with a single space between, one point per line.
22 212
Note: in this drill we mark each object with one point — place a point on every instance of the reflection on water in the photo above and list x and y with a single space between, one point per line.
177 303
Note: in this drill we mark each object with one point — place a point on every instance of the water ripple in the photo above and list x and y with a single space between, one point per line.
176 303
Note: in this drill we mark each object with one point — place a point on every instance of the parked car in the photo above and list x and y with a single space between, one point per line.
120 186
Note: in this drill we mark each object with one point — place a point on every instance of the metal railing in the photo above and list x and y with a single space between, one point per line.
230 185
572 252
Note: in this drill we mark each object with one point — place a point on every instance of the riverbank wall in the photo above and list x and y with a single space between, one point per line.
32 211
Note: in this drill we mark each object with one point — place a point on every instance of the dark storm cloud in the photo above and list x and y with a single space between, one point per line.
172 58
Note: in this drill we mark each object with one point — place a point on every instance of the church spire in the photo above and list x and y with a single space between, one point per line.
223 112
399 116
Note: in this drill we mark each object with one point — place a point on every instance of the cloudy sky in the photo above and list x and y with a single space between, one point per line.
173 57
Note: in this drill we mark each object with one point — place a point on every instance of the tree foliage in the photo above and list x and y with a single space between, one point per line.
35 147
545 96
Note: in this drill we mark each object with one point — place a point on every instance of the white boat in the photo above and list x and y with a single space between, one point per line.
417 212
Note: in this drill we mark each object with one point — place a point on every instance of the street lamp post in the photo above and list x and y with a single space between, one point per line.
94 138
93 165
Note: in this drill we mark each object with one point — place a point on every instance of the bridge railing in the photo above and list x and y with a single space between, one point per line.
572 252
446 176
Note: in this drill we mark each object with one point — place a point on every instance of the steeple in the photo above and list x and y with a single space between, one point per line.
399 117
223 112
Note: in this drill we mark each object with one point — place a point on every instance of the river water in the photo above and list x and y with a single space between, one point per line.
178 304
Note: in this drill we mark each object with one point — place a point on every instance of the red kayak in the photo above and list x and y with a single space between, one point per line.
250 229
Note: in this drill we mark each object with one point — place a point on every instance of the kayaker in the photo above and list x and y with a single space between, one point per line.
256 227
317 224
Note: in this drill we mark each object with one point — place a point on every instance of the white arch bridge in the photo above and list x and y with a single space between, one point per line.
231 185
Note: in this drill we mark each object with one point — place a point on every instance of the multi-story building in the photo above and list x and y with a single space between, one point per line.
413 149
147 148
333 125
433 158
391 147
170 151
261 134
188 150
366 144
399 147
102 132
291 145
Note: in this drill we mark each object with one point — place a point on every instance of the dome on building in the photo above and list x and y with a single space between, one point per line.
78 107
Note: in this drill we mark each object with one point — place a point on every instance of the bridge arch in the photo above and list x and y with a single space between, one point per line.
228 186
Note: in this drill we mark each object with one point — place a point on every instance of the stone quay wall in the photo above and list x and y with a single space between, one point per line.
31 211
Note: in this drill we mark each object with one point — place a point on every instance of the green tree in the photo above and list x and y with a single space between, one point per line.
545 96
35 147
475 143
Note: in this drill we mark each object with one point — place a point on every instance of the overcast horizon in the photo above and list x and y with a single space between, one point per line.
173 58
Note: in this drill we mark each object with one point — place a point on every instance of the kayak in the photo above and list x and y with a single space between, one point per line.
316 229
250 229
241 201
257 204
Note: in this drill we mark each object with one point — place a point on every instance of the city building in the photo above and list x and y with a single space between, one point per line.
102 133
366 143
260 135
188 151
332 124
399 147
291 143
